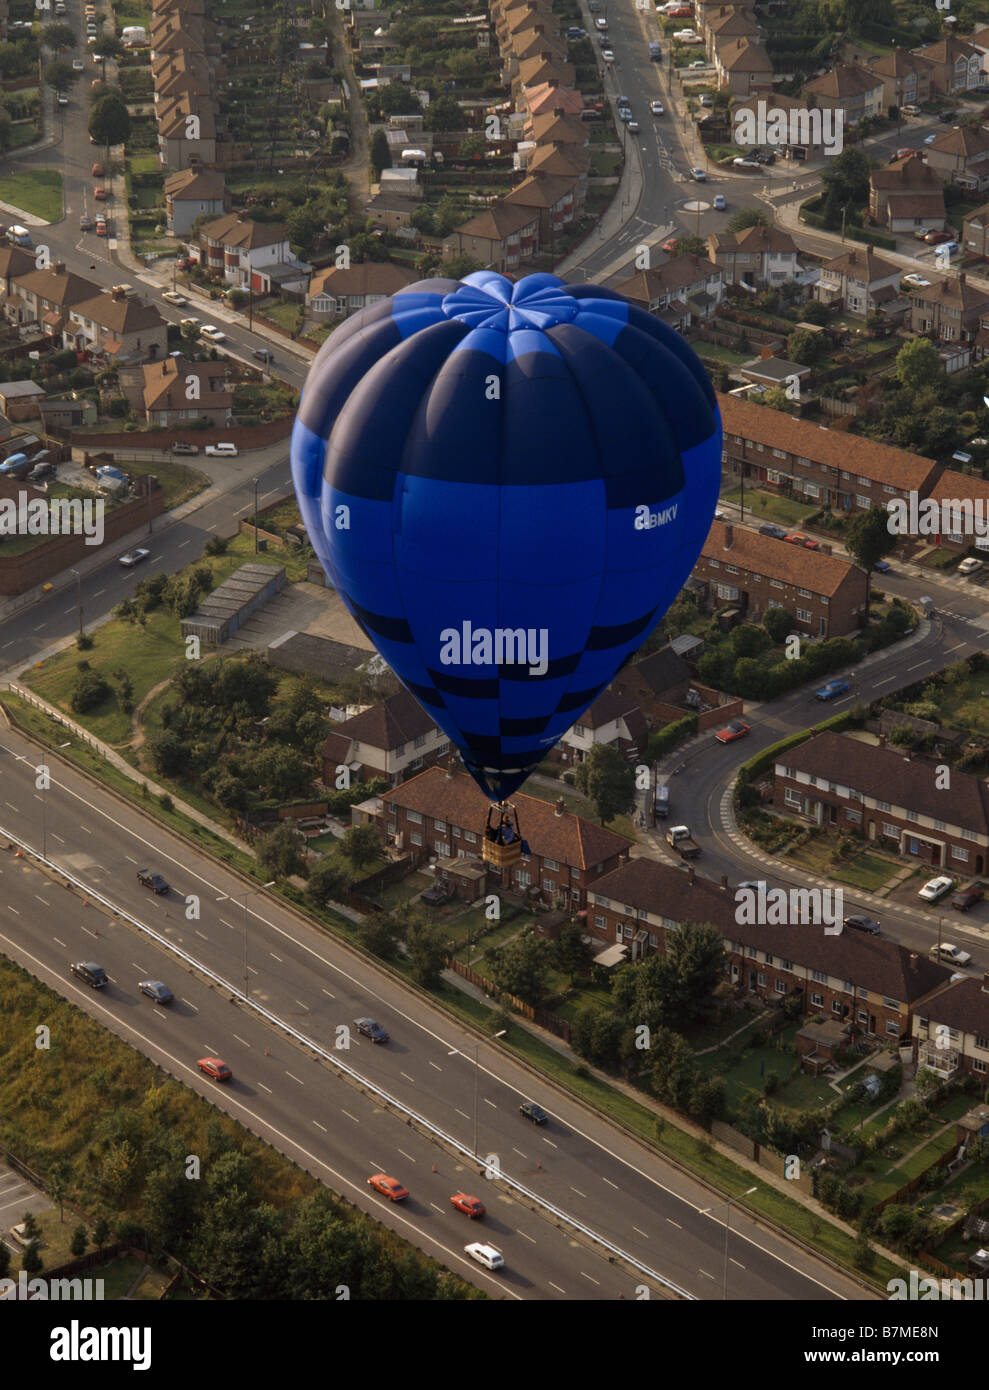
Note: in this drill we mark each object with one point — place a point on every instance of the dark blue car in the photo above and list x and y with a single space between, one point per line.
831 690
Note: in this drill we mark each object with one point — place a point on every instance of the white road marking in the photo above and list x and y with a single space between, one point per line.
294 1078
408 1077
240 1039
264 1087
435 1067
557 1288
405 1155
322 1127
349 1116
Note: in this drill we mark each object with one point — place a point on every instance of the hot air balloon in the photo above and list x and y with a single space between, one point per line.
508 484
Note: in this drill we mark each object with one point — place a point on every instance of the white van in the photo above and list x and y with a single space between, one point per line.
221 451
485 1255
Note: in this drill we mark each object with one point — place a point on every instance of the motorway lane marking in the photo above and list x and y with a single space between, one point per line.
551 1144
199 934
917 667
672 1223
59 943
489 1102
228 924
155 559
435 1066
705 1273
13 910
327 992
643 1234
322 1127
294 1078
436 1208
408 1077
557 1288
736 1262
56 837
138 968
240 1039
349 1115
578 1192
68 610
42 901
956 646
86 828
304 1006
179 547
129 859
587 1276
251 970
99 592
526 1236
12 806
460 1112
886 680
159 1013
610 1183
405 1155
190 1005
274 957
518 1151
265 1088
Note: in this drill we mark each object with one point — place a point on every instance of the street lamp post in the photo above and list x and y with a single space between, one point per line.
44 808
456 1052
78 596
255 516
728 1206
243 897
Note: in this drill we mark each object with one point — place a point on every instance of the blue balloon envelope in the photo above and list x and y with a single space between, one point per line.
507 484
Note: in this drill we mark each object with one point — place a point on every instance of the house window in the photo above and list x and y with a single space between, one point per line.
470 836
413 817
854 816
883 806
550 864
804 593
779 454
761 980
804 615
912 815
836 1006
892 1028
863 1016
776 584
416 839
419 741
982 1042
864 502
549 885
786 964
960 854
891 830
817 1000
727 591
819 976
715 564
812 490
599 922
978 1065
792 798
779 986
442 848
439 824
891 1004
731 569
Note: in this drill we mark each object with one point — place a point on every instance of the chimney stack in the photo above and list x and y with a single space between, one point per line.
913 960
729 536
561 806
882 740
691 873
59 267
558 111
724 881
766 353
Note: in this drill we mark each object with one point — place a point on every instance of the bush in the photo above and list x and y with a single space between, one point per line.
89 691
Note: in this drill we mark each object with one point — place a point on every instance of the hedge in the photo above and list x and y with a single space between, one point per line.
671 734
762 760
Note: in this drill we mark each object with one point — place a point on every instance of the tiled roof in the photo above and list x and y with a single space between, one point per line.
533 71
946 50
963 140
908 173
917 205
367 277
120 315
900 63
62 287
607 707
499 220
237 230
756 239
190 184
889 775
843 81
662 671
162 379
955 293
862 264
545 97
455 798
678 273
541 190
952 486
549 127
964 1006
776 559
744 55
838 449
388 724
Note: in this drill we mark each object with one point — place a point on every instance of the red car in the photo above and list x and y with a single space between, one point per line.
670 244
97 171
935 238
798 538
99 194
470 1206
736 729
961 902
388 1187
213 1067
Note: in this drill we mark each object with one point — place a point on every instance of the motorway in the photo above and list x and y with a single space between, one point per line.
608 1182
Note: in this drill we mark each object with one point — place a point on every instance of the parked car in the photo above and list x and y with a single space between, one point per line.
485 1255
221 451
967 898
952 955
882 567
922 233
212 333
719 202
470 1206
97 171
601 23
735 730
90 973
78 65
970 566
388 1187
134 557
369 1029
742 163
157 991
936 888
914 281
670 245
936 238
763 156
533 1112
99 194
697 63
147 878
61 98
181 447
865 924
911 110
607 55
832 690
657 108
173 297
776 532
633 126
699 175
216 1068
798 538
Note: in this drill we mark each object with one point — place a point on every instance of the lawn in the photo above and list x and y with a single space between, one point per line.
36 191
771 507
179 481
117 1276
717 353
604 164
881 1188
866 871
962 704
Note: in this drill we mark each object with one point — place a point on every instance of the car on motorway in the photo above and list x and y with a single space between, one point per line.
882 567
832 690
97 171
157 991
698 175
92 974
212 334
224 450
147 878
798 538
78 65
719 202
101 226
216 1068
970 566
607 55
866 924
370 1029
388 1187
967 898
624 113
601 23
776 532
485 1255
470 1206
173 297
134 557
657 108
914 281
533 1112
84 224
180 446
633 126
936 888
735 730
952 955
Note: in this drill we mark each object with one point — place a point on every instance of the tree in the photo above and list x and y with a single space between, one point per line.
379 933
444 114
109 120
101 1232
278 852
807 348
31 1228
918 364
31 1261
361 844
778 623
847 176
58 1178
473 146
610 782
691 246
521 967
457 267
58 36
573 953
380 153
59 75
868 539
423 221
747 217
426 947
327 882
79 1241
4 1260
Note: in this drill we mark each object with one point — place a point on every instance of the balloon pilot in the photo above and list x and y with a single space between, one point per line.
503 843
